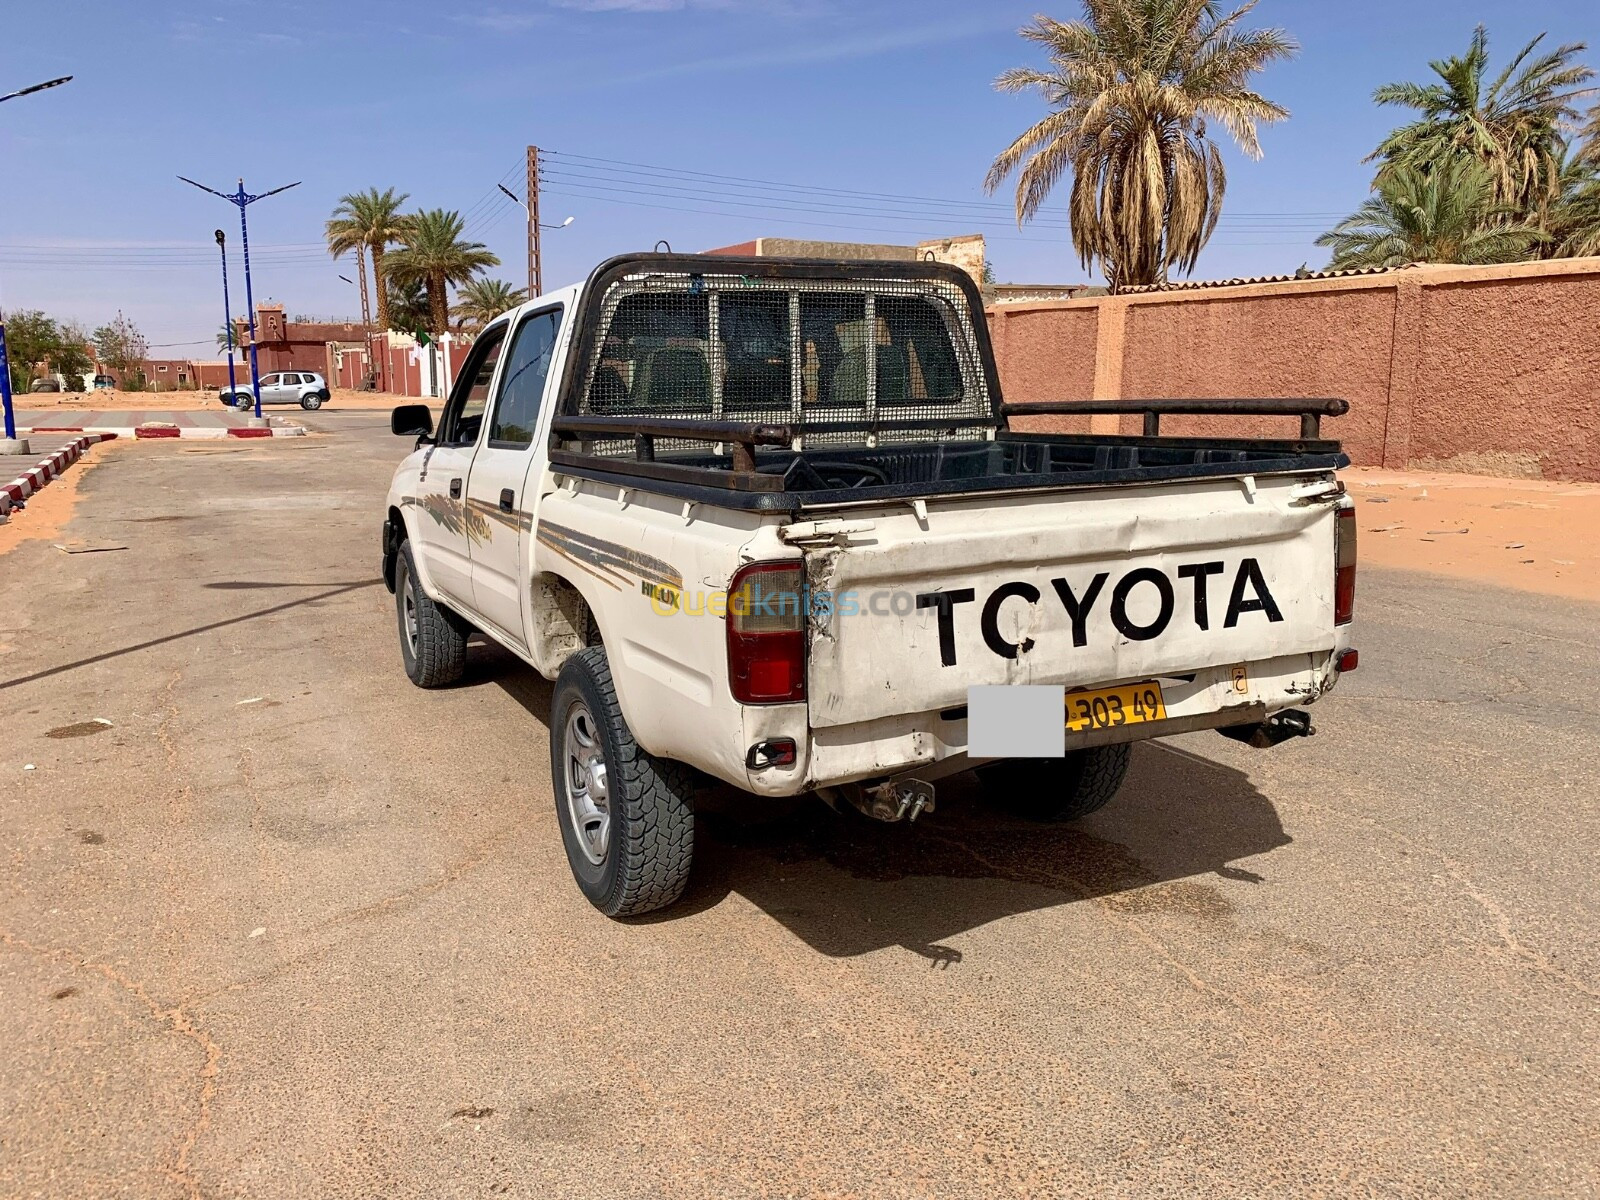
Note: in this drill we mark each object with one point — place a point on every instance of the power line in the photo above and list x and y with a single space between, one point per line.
609 167
611 189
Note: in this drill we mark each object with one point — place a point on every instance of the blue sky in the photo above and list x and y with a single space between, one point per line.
889 97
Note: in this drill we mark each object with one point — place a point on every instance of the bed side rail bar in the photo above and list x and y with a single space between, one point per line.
1310 411
743 436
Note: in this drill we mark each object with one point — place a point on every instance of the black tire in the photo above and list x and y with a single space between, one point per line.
637 844
1059 789
433 640
311 403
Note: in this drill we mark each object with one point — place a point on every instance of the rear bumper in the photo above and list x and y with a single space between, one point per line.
936 742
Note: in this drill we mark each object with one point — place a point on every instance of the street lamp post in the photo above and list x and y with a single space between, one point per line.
10 443
227 316
244 200
535 256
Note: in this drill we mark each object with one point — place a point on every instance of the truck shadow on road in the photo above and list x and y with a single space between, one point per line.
846 886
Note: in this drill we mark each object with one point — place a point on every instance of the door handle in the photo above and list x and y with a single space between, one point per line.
508 500
455 489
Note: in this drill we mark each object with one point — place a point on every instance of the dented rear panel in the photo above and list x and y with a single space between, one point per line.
1079 588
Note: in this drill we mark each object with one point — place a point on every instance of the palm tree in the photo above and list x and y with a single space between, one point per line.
408 305
372 219
1444 215
1574 222
1512 124
1131 88
1590 136
482 300
435 256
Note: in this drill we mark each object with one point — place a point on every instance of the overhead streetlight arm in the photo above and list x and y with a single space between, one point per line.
38 87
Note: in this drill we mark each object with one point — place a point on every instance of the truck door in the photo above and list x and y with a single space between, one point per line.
497 486
447 525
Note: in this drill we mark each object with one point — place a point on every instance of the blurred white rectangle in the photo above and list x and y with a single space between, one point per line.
1027 721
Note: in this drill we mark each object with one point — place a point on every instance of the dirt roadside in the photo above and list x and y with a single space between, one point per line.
1527 534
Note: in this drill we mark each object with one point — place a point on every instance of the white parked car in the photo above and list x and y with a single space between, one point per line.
770 522
306 388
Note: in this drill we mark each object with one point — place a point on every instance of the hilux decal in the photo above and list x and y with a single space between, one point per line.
1249 594
614 565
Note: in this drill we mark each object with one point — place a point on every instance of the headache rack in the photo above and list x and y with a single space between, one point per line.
789 383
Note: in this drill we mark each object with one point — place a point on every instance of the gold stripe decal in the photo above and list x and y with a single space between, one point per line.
609 556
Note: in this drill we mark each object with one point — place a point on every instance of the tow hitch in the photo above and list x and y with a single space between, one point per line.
1279 727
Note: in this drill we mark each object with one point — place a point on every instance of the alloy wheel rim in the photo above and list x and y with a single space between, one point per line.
586 783
408 612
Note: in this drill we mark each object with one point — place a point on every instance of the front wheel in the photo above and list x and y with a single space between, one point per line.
433 640
1059 789
626 817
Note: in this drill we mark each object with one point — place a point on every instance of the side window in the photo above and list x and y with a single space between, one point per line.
292 379
269 381
527 369
463 415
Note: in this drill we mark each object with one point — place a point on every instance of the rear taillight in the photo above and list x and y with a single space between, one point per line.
767 634
1344 567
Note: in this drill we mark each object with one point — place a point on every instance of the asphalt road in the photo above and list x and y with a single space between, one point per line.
288 926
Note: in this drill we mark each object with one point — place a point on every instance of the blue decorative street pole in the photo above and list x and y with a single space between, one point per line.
244 200
5 365
227 316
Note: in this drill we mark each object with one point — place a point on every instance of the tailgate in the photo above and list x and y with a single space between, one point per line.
1080 588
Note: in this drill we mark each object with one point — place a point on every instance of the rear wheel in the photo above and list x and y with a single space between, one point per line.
433 640
311 402
1059 789
627 817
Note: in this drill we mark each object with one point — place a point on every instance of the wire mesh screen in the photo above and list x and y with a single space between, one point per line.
846 362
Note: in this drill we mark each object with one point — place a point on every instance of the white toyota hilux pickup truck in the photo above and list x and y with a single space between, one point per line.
770 521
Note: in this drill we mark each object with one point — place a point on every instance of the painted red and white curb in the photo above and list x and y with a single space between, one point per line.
19 489
141 432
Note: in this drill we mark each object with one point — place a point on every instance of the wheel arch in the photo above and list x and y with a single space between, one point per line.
563 622
401 522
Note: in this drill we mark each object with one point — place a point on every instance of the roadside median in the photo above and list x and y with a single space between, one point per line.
155 423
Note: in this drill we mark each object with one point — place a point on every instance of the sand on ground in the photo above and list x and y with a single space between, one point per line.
1520 533
47 510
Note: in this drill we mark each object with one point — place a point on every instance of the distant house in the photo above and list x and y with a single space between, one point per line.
169 374
285 345
969 251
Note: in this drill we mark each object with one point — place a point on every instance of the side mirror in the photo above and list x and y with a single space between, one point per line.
411 420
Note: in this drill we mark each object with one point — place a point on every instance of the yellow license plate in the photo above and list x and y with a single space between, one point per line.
1106 708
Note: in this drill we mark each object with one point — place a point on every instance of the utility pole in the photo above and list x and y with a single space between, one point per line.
11 443
530 206
535 250
227 316
244 200
366 309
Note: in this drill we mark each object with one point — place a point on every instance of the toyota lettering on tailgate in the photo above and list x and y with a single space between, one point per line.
1079 601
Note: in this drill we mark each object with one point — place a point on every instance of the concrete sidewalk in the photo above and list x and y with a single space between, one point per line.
145 423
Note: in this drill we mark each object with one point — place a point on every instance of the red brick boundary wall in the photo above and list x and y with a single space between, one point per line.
1491 370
